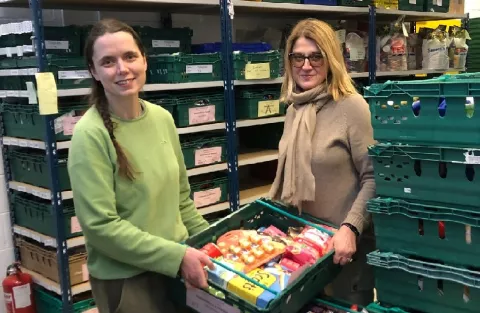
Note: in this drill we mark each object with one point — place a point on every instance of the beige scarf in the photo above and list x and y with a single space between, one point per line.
294 182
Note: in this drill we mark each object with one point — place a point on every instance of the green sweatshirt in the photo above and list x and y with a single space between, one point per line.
132 227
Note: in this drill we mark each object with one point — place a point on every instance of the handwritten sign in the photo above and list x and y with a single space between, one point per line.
268 107
257 71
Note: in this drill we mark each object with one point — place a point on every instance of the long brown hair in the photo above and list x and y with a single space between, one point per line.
340 84
97 96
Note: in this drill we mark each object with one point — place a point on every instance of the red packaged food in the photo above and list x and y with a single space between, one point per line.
212 250
315 238
289 265
302 253
273 232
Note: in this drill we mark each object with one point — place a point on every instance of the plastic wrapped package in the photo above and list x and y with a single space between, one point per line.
414 48
458 49
435 50
356 51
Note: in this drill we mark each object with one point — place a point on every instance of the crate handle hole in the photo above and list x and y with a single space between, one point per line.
469 107
442 107
441 230
466 294
388 179
417 166
470 172
440 287
442 169
416 106
421 230
468 234
420 283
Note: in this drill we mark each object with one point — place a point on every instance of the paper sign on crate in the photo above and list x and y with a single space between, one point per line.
47 93
257 71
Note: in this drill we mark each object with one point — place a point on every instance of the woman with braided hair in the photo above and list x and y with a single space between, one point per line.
130 184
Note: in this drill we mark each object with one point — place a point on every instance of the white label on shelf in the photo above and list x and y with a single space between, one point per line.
36 237
13 93
20 51
73 74
207 197
56 45
3 51
85 274
439 3
27 48
199 69
412 1
201 115
50 242
407 190
208 156
166 43
31 93
6 141
27 26
36 193
45 195
23 72
203 302
3 93
14 72
32 71
22 296
471 158
22 188
8 52
14 141
23 143
24 93
75 225
34 144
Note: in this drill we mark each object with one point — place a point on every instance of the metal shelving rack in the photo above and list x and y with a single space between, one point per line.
227 10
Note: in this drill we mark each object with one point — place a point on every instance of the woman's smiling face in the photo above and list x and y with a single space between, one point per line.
307 72
119 64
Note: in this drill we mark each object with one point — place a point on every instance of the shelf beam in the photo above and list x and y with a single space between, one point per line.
54 286
47 240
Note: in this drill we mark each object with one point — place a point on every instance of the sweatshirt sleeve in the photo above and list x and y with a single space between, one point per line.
192 219
360 136
92 179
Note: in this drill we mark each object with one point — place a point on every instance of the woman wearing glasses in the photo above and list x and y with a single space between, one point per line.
323 167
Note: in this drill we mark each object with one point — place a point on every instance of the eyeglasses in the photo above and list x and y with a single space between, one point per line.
298 59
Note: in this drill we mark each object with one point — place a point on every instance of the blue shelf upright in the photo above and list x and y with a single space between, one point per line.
52 159
226 14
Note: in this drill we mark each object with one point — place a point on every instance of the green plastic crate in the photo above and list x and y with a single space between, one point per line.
64 40
201 150
69 72
342 306
31 167
167 102
405 5
256 103
36 214
433 6
209 189
376 307
9 76
47 302
270 138
25 121
165 40
253 216
427 174
184 68
353 3
243 59
394 120
424 286
196 108
419 225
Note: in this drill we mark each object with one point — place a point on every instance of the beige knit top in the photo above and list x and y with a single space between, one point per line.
343 171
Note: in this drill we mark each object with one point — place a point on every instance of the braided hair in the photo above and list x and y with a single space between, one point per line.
97 96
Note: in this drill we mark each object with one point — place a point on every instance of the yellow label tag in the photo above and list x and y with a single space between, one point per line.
257 71
249 291
268 107
47 93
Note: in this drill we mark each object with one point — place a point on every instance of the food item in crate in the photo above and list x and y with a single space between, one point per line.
212 250
249 248
272 231
289 265
324 308
271 277
221 275
302 253
315 238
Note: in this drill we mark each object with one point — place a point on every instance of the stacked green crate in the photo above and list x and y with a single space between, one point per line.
256 65
427 210
473 60
258 102
198 107
409 5
183 68
353 3
48 302
441 6
209 189
165 40
203 149
36 214
25 121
